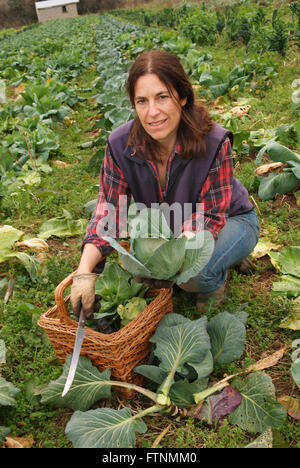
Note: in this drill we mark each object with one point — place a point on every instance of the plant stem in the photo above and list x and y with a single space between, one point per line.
29 151
152 409
165 388
209 391
137 388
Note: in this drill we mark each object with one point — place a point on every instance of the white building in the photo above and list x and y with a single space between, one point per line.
53 9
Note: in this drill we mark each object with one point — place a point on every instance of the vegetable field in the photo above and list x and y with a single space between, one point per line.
226 379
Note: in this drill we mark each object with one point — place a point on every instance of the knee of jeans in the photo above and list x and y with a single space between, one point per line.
256 227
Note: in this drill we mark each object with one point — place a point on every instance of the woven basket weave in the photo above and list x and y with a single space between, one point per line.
121 350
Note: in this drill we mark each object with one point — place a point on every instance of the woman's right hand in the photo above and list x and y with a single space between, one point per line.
83 294
83 287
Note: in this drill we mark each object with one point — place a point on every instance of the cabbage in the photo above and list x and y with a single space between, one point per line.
131 310
155 252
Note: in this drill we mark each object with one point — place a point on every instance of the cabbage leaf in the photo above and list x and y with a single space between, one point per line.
155 253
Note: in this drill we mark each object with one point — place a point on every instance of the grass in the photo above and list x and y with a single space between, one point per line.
31 361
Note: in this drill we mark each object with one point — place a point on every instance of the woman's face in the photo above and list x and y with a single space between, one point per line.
158 110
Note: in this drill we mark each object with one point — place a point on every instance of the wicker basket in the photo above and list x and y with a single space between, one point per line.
121 350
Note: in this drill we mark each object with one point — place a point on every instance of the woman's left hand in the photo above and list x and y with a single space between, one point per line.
154 283
188 234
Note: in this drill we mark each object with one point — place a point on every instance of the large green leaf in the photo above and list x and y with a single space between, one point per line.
167 259
130 263
144 248
196 258
265 440
182 391
205 367
194 371
151 372
8 236
119 116
295 369
227 334
206 78
62 226
150 222
4 431
292 321
31 264
104 428
287 261
155 253
290 285
219 89
274 184
278 153
115 285
259 408
283 182
89 385
180 341
7 393
295 168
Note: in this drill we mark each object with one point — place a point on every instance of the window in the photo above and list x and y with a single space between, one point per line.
64 9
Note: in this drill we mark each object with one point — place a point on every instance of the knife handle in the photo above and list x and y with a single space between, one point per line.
82 318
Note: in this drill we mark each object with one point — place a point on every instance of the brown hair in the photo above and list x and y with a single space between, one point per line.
195 120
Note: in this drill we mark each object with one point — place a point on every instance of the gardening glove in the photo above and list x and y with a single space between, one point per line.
83 294
154 283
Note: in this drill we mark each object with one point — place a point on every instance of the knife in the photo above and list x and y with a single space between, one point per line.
76 352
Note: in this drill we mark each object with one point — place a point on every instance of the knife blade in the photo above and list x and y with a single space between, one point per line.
80 333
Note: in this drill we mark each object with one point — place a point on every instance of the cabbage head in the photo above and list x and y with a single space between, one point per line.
155 253
131 309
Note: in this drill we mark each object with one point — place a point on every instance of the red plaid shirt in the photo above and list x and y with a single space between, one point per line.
215 194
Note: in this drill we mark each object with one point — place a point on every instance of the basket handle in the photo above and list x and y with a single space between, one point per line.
62 301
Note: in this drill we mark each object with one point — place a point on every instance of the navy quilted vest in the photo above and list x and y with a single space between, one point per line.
186 177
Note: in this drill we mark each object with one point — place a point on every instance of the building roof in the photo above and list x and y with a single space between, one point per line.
53 3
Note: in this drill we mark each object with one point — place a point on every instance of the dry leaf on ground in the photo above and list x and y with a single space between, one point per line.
160 436
291 404
18 442
94 133
60 164
20 89
263 247
35 244
94 117
266 168
239 111
68 121
269 361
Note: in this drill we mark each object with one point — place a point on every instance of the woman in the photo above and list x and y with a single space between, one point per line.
171 152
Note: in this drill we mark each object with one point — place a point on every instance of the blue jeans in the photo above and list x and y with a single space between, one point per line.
235 242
